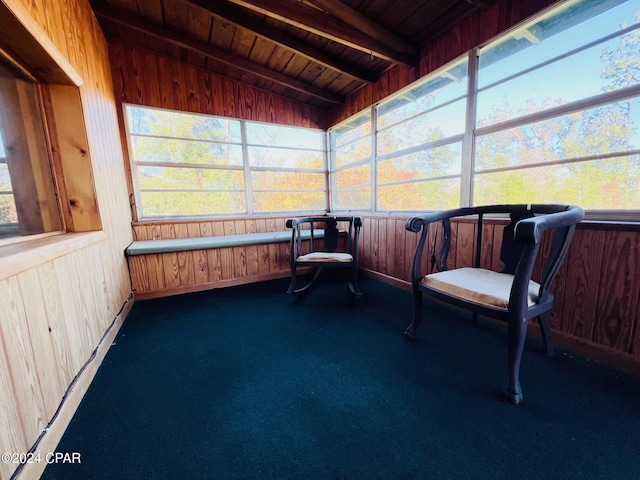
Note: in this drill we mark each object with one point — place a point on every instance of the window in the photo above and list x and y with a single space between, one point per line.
28 203
419 143
287 167
351 154
549 112
558 111
188 165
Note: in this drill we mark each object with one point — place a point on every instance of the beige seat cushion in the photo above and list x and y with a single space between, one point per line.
325 257
478 285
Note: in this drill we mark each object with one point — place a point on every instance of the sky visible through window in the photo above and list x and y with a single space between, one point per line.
568 80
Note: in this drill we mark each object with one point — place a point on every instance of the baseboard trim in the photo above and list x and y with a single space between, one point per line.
51 436
396 282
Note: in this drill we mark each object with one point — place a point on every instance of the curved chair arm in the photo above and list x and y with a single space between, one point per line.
530 230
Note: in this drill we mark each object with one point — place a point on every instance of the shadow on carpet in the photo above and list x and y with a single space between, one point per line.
248 383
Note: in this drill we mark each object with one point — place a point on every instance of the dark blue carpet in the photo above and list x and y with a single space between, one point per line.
248 383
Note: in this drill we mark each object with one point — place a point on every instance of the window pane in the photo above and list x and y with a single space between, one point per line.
352 199
352 152
435 162
285 158
5 180
435 125
287 181
602 130
167 178
596 184
281 136
570 27
149 121
164 150
429 195
445 87
354 129
603 68
7 209
288 201
161 204
352 177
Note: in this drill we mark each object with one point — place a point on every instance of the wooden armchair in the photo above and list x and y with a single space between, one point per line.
333 243
510 295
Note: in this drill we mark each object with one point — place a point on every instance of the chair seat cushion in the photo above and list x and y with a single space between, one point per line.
477 285
325 257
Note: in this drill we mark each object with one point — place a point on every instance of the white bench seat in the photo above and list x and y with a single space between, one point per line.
146 247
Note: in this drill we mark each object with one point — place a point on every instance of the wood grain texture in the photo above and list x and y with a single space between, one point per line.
147 78
54 310
181 272
475 29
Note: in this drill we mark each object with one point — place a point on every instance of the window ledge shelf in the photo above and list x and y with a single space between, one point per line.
19 257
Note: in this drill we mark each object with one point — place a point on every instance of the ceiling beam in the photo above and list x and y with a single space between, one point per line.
326 25
131 20
354 18
235 15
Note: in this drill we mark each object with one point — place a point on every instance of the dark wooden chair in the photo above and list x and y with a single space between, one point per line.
332 243
509 295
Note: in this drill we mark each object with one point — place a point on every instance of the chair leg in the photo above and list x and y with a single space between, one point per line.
353 284
292 285
314 276
545 330
410 332
517 335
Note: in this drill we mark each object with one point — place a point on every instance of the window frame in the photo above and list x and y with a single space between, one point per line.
472 132
246 168
27 47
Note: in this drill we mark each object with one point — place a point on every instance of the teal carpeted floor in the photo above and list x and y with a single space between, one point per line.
248 383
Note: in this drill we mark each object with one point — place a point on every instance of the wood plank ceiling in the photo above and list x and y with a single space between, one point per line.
316 52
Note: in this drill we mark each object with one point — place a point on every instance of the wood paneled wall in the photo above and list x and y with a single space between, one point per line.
143 77
53 315
597 291
470 32
180 272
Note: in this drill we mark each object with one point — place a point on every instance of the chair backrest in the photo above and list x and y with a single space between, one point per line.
510 250
520 240
334 228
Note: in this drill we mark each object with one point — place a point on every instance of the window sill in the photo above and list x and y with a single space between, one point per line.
19 257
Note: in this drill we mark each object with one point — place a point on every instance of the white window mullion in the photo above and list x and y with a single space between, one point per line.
248 191
374 159
468 140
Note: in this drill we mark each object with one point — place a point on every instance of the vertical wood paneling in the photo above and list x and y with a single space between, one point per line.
399 261
157 81
580 297
618 292
16 342
38 332
486 255
465 248
11 432
199 257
